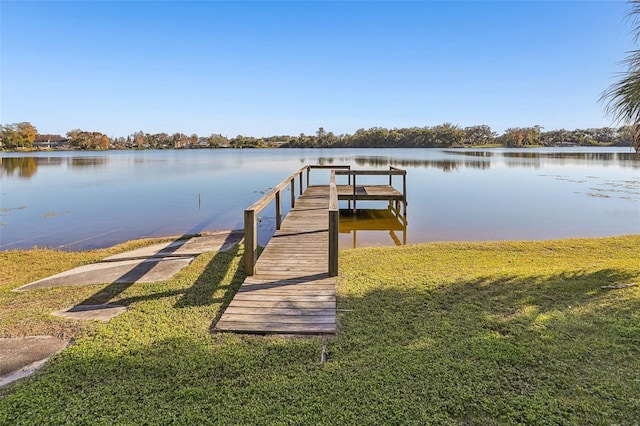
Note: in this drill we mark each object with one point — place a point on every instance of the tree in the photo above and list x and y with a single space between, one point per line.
448 134
515 137
18 135
622 99
88 140
479 135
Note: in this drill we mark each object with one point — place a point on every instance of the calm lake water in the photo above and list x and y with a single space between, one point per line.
82 200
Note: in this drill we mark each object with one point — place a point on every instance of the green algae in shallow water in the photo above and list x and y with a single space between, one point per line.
52 214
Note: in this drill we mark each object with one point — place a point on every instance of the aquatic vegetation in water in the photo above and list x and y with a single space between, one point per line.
264 191
52 214
622 189
6 211
598 194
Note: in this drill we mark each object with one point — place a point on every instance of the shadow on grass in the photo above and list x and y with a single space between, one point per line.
534 349
130 277
211 280
199 294
507 299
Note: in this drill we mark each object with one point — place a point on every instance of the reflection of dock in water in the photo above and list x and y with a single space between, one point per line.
389 220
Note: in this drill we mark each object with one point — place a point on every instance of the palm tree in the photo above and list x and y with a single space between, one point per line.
622 99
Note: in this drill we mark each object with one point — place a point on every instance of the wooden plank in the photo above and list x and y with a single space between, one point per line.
394 172
291 291
369 192
280 311
270 328
299 287
267 304
280 276
290 270
287 319
289 281
283 297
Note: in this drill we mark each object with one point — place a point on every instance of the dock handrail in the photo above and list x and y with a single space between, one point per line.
317 166
251 212
393 171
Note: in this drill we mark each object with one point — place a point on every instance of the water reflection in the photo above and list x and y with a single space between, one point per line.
25 167
378 221
446 165
448 160
470 153
534 159
85 162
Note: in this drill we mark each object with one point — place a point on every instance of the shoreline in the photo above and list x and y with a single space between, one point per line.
147 241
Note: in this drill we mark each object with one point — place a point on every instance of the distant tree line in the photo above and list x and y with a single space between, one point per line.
448 135
25 136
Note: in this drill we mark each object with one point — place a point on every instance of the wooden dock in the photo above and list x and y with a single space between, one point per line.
290 288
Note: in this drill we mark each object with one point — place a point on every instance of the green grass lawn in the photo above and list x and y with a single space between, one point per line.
446 333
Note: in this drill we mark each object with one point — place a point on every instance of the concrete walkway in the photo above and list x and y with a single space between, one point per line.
148 264
20 357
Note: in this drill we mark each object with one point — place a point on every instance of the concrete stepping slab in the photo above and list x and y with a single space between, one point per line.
148 264
91 312
221 241
129 271
21 356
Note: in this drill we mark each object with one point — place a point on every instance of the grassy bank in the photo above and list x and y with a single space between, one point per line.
483 333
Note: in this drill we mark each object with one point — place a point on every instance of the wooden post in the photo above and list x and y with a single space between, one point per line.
349 183
278 211
300 183
308 171
250 242
354 194
293 192
334 226
404 192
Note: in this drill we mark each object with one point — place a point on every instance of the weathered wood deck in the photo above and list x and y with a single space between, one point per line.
291 290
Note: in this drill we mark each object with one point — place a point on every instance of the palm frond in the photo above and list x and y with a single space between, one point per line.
622 99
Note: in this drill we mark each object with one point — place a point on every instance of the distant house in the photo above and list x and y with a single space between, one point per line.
50 141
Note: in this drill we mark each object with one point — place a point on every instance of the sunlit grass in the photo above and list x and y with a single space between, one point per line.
446 333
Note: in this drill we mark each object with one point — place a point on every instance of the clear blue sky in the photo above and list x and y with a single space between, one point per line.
272 68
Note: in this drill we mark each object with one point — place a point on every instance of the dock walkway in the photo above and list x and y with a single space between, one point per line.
291 290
